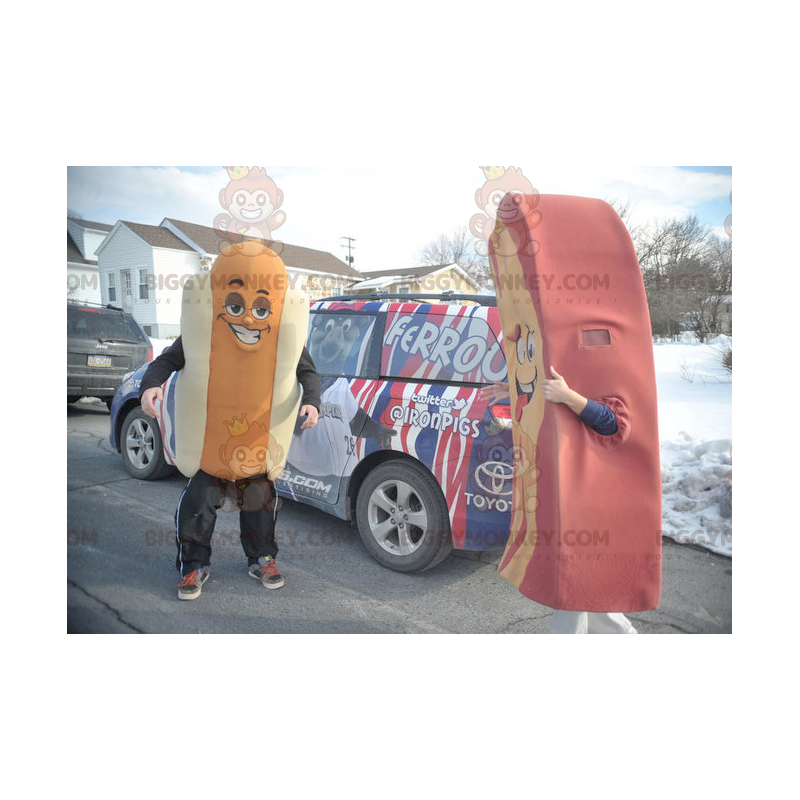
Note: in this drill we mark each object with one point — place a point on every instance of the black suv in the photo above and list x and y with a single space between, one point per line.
103 344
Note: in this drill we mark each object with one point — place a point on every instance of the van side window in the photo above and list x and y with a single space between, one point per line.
339 342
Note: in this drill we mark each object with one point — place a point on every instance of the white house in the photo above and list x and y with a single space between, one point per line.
83 276
143 269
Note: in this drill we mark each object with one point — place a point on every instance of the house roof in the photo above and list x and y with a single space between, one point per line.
293 256
375 283
74 255
156 235
93 226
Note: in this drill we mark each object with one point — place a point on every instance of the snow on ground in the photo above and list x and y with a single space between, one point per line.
695 429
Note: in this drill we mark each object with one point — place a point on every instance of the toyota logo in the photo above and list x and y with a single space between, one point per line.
494 477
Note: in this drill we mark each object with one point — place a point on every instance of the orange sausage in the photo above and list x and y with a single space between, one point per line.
243 330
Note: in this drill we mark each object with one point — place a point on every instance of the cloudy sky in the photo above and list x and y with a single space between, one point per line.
392 212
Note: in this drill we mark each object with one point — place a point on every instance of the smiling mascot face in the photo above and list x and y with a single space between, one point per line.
243 329
246 312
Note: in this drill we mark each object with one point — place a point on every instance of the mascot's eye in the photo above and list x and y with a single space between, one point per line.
261 308
234 304
517 198
521 350
496 198
498 454
531 347
346 326
261 455
261 199
329 326
241 200
241 455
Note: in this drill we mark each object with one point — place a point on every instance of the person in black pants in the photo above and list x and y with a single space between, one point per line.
205 494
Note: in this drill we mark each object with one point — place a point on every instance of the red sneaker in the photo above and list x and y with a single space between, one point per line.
192 584
264 570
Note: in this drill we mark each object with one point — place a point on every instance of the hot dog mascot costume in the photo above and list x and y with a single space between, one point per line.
243 331
585 527
230 410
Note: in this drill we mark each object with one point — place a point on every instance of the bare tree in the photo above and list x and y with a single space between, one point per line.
623 209
458 248
687 276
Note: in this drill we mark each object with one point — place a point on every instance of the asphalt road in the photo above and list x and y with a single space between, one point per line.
121 575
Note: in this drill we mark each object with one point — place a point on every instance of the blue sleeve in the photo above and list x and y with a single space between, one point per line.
599 418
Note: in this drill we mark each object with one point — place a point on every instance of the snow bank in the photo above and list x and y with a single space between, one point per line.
695 429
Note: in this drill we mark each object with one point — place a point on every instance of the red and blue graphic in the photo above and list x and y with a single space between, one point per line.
443 343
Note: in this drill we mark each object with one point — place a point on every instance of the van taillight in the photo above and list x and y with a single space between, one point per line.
149 354
501 415
501 411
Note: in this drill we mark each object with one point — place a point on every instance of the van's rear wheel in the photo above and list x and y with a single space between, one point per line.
402 517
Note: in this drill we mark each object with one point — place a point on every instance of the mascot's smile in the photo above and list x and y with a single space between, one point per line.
525 393
247 335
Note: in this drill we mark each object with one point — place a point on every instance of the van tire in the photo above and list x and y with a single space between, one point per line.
140 444
402 517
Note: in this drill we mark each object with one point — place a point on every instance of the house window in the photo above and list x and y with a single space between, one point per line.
403 290
112 287
143 294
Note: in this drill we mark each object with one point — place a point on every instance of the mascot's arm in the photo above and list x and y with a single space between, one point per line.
171 360
599 418
308 378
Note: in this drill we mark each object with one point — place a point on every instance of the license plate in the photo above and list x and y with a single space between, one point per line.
99 361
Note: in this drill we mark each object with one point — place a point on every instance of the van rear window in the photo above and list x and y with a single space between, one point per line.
339 342
460 346
104 325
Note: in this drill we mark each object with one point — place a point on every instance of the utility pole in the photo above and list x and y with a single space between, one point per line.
349 258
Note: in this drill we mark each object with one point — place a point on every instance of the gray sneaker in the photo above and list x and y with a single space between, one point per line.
265 571
192 584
